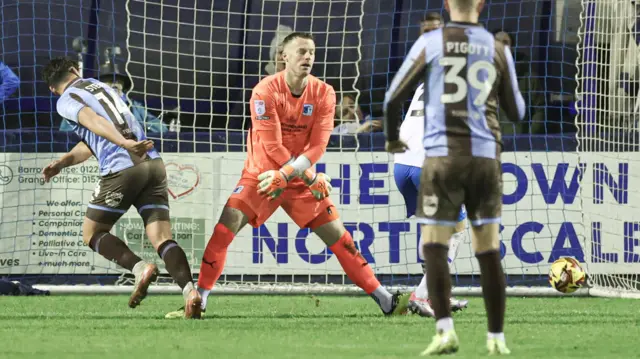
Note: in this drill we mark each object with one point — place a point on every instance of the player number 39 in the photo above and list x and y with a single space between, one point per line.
453 76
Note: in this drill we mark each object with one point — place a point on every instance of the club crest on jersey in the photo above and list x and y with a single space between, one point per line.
260 107
307 109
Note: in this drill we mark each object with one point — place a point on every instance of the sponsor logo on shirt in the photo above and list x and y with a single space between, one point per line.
260 107
113 199
292 127
307 109
262 118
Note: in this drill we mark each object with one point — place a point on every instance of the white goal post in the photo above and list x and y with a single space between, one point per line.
608 104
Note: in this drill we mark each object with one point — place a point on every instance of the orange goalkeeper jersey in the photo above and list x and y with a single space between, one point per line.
284 126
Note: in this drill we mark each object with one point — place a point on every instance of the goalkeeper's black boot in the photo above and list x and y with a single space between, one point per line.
399 304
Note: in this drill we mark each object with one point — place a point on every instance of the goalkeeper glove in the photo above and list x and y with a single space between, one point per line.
273 182
319 184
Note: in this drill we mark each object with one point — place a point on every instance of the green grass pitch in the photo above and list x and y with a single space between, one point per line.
282 327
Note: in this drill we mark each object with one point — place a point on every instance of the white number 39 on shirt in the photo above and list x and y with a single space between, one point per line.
453 76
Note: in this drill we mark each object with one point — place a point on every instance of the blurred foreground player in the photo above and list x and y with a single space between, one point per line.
465 71
406 172
132 173
292 116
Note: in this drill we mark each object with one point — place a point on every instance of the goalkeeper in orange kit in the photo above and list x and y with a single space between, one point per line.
292 116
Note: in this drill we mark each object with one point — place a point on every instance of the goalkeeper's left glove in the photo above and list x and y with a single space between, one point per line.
319 184
273 182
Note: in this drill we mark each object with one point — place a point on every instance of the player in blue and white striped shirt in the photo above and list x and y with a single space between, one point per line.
466 72
132 173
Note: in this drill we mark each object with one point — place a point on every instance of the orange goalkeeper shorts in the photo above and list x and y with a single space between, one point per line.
297 200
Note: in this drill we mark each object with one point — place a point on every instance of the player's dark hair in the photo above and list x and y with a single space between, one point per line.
296 35
433 16
57 70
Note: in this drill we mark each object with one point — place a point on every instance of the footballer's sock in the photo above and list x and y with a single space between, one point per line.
493 284
359 271
175 260
113 249
384 299
454 243
213 259
498 336
204 294
444 324
438 279
422 292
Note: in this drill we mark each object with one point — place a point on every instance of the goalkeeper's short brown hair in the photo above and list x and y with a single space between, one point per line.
294 35
58 69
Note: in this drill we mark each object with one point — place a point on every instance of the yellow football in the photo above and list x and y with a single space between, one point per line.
566 275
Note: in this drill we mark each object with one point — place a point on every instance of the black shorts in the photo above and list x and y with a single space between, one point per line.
449 182
143 186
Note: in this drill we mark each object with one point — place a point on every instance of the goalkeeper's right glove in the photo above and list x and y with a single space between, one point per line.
319 184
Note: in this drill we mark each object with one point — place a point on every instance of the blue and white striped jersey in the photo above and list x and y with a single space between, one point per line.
106 103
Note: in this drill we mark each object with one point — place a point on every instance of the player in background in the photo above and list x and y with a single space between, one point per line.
406 172
9 82
466 72
292 115
132 173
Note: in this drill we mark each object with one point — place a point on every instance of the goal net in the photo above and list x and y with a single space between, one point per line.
609 110
192 65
